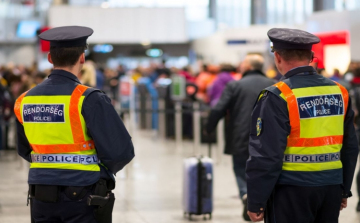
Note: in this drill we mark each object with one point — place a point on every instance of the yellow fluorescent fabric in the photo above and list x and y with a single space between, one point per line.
312 166
316 127
57 133
44 133
321 126
90 167
314 91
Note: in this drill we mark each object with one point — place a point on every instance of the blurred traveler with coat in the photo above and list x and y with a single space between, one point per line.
239 98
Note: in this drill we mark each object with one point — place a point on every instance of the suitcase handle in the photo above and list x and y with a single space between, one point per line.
209 149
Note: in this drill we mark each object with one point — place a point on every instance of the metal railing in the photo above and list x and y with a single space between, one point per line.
141 114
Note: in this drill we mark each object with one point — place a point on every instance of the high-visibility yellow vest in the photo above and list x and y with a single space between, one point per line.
56 131
317 127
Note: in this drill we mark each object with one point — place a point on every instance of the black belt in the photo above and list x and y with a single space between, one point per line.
50 193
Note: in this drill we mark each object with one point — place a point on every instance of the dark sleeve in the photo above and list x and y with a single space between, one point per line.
349 151
266 149
23 145
220 108
112 141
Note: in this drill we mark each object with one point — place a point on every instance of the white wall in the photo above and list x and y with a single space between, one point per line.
327 21
18 54
124 25
215 48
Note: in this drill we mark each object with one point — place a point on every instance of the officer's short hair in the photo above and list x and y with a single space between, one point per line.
291 55
256 61
66 56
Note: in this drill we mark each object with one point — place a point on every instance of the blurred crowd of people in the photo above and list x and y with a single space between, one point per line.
209 80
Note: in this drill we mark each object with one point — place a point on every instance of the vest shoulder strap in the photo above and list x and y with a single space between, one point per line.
75 120
17 107
273 89
294 115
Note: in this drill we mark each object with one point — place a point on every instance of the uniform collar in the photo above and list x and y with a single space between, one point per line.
299 71
66 74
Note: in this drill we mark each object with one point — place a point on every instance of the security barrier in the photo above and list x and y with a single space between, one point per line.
169 119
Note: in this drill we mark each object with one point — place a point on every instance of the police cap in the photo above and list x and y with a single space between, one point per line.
292 39
67 36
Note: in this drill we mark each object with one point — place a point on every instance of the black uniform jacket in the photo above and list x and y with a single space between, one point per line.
238 98
112 141
267 150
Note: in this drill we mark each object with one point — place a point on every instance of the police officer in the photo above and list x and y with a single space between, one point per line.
72 137
303 148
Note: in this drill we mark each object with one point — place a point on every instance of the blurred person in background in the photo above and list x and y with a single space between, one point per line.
15 79
6 112
186 72
348 76
88 74
201 94
120 71
160 70
27 82
204 80
137 74
302 148
111 84
100 78
39 78
215 90
15 86
271 72
336 75
236 73
238 99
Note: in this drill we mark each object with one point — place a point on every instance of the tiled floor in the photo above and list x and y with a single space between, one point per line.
148 191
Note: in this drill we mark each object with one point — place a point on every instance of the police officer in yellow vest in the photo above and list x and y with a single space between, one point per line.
303 148
72 137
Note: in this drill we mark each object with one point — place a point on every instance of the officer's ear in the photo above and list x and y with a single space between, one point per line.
49 58
312 56
82 58
278 58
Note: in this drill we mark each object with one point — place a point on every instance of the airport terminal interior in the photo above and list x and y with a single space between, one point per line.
164 64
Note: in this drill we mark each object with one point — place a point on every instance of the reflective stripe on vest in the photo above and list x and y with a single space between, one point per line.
316 136
55 128
64 158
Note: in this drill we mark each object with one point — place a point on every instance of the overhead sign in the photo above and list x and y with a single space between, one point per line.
246 41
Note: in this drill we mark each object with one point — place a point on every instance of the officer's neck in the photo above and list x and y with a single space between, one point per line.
75 70
292 65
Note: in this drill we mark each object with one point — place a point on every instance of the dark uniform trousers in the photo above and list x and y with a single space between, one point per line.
67 209
295 204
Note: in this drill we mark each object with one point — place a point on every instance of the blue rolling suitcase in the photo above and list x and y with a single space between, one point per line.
198 187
